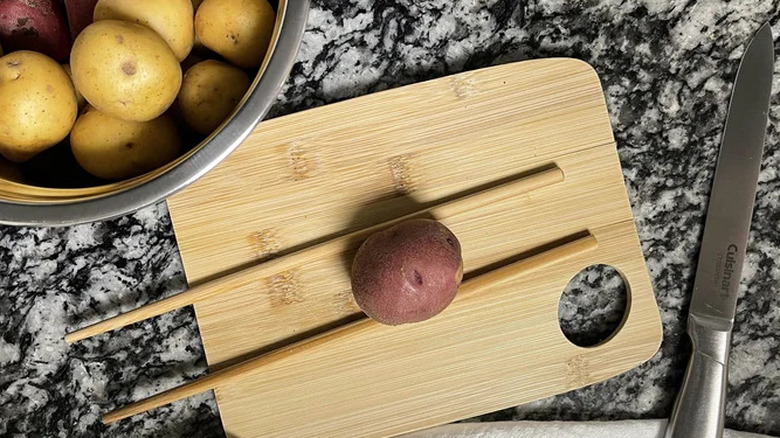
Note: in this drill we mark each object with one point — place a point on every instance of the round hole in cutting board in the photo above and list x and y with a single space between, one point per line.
593 305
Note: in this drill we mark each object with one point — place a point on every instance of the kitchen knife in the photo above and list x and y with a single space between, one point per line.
698 412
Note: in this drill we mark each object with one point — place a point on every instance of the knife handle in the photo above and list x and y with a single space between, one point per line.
698 411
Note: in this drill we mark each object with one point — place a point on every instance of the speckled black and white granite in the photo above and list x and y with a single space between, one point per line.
666 67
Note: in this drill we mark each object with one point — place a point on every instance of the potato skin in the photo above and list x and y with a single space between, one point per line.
239 30
125 70
38 104
209 92
37 25
114 149
171 19
407 273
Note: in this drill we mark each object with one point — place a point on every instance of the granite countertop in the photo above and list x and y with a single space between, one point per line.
666 68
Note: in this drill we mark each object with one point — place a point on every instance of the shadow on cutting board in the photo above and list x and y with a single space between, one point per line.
379 210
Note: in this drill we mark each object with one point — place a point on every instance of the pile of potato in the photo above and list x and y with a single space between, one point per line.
122 103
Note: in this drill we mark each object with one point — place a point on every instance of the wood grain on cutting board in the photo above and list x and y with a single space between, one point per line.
303 178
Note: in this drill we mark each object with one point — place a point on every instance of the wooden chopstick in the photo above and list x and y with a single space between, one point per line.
543 178
237 372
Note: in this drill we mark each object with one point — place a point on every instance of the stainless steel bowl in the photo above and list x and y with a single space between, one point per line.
22 203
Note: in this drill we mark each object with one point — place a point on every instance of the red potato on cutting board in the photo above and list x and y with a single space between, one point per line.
37 25
407 273
80 14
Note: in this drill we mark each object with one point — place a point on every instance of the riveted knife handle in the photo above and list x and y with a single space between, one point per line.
698 412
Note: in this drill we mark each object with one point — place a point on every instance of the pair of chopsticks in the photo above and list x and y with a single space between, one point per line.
543 178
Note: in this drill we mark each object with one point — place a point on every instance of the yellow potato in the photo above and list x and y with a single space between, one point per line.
79 97
37 104
112 148
209 92
239 30
125 70
171 19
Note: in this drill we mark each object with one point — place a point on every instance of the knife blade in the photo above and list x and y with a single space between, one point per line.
698 412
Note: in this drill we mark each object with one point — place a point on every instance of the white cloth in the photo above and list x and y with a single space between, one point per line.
558 429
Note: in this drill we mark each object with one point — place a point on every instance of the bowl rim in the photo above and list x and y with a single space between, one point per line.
198 162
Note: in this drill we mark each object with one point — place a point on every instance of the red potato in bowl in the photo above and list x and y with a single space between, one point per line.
80 14
37 25
407 273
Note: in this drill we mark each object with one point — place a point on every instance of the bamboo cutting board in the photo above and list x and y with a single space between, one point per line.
308 177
